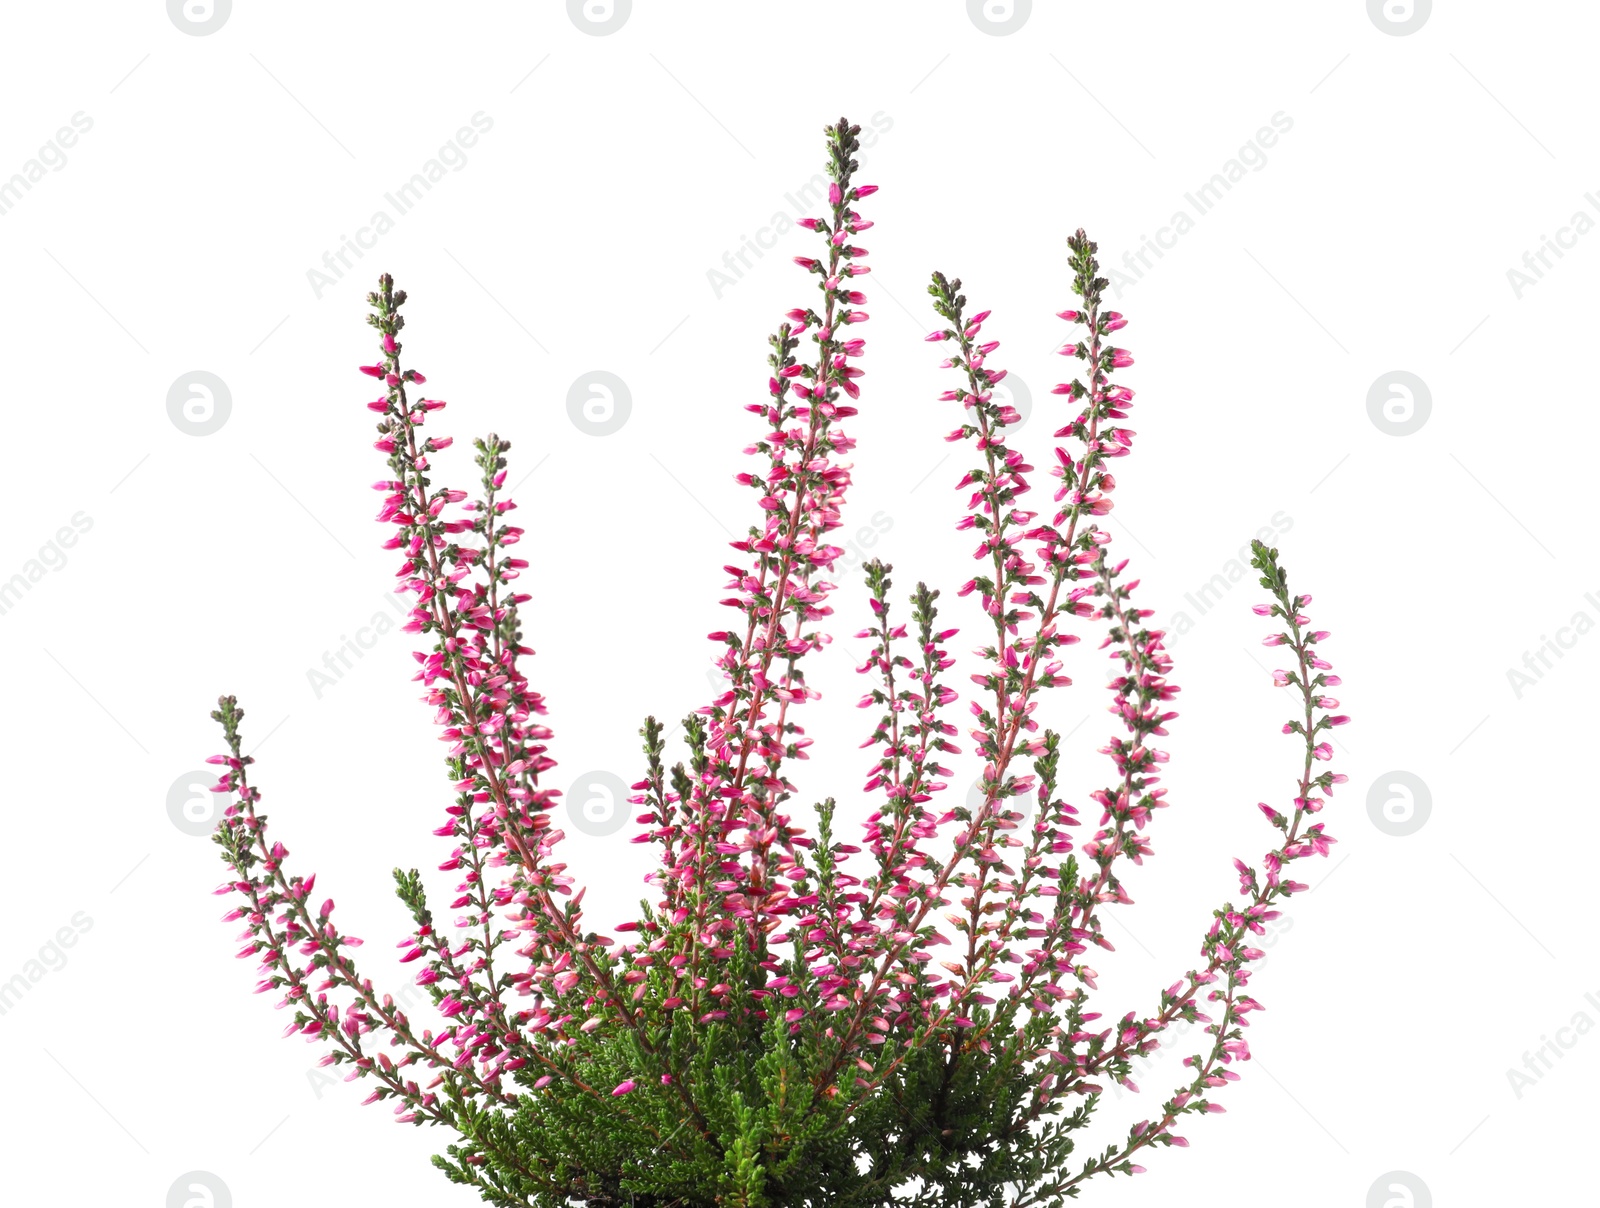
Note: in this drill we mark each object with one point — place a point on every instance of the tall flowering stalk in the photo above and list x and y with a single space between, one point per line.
792 1019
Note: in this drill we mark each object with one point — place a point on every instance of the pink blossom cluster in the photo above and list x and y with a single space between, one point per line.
954 929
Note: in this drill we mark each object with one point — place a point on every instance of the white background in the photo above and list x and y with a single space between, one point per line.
578 235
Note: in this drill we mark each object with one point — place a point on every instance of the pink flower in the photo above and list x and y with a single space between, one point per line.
523 979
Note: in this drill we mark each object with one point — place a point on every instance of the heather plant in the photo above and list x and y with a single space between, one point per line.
793 1018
